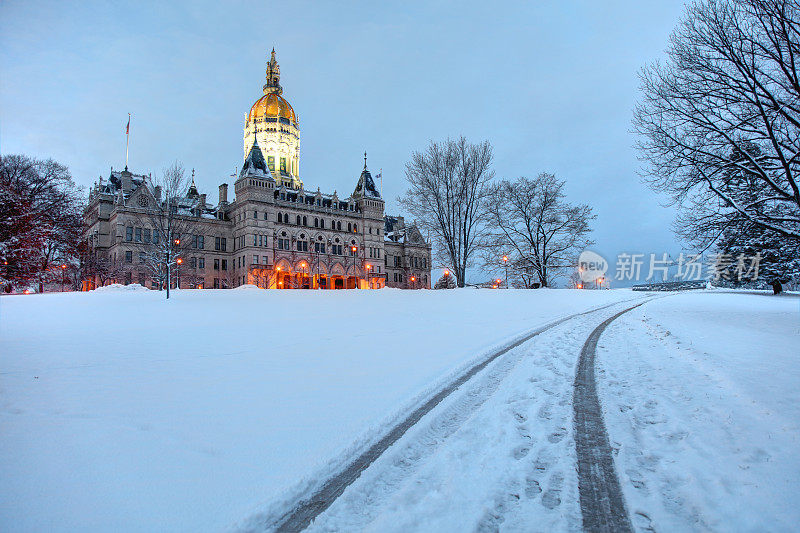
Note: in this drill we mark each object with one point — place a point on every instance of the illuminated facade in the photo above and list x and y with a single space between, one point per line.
274 233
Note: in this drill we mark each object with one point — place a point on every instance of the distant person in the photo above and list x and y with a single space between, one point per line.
777 288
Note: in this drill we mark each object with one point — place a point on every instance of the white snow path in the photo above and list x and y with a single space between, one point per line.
498 453
701 396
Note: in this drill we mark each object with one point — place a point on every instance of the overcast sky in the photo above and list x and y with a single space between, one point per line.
550 84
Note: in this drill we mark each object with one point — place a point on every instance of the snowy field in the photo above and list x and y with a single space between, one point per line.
122 412
701 394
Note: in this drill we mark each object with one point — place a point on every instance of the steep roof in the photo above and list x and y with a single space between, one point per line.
255 162
366 185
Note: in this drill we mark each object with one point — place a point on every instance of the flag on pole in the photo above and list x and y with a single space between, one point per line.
128 126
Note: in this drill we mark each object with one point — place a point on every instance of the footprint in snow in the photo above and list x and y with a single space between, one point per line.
520 451
552 497
532 488
642 522
557 435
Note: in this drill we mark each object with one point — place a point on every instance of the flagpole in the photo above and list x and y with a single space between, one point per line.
127 140
381 183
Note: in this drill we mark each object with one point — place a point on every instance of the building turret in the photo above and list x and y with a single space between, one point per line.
273 122
366 195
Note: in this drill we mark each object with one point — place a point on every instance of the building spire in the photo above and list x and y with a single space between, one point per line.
365 160
273 84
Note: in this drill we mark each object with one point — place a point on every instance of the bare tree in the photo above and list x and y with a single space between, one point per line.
172 218
448 187
724 105
540 233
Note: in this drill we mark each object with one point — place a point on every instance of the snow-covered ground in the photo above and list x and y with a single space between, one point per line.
701 396
122 412
119 411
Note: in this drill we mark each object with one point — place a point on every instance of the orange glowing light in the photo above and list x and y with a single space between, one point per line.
354 248
498 282
302 265
446 272
26 291
180 260
278 269
370 266
63 266
579 286
413 278
505 258
177 241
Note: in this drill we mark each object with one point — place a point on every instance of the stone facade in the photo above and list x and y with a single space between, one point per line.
273 234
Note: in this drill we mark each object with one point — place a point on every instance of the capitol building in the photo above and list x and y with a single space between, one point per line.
273 232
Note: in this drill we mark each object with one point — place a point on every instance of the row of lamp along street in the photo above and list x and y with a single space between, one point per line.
367 267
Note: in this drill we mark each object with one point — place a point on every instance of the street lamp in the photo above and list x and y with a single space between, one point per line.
303 266
505 266
178 272
63 276
498 282
354 249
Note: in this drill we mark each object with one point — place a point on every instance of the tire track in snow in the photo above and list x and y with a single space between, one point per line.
306 510
602 503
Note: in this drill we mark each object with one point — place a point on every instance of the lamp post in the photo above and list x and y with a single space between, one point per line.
354 249
303 267
412 280
63 276
369 268
178 272
505 266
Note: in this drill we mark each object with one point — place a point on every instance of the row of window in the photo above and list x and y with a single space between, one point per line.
138 234
319 202
398 278
148 236
413 262
301 220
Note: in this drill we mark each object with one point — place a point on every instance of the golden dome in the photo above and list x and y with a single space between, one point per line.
272 105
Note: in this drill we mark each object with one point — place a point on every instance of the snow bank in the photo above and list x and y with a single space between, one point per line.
122 411
118 287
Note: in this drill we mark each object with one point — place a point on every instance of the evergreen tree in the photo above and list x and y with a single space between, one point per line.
743 247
